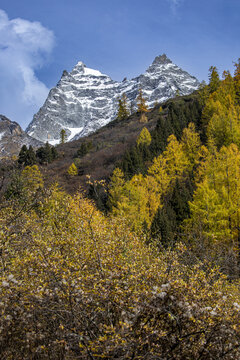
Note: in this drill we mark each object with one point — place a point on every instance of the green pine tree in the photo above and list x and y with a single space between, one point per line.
27 156
22 155
163 226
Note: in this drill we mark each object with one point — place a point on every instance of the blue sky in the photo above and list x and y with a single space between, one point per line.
39 39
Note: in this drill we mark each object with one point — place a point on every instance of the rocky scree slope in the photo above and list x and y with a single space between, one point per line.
84 100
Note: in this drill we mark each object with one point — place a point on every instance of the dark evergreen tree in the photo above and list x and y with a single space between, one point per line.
31 157
97 193
166 225
180 196
46 154
145 153
54 153
85 147
163 225
27 157
22 155
40 153
126 165
136 161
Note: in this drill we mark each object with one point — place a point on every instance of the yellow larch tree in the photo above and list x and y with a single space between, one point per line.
144 138
32 178
72 170
116 188
215 206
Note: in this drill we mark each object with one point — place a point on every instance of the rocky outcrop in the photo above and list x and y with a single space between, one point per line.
12 138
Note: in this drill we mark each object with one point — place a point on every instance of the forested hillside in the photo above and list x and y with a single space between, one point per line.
190 191
148 268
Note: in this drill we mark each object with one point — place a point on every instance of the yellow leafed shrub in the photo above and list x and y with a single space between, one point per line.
78 285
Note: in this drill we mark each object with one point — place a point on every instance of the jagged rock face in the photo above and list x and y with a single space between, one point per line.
85 99
12 138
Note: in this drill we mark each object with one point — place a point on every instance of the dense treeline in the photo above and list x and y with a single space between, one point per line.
43 155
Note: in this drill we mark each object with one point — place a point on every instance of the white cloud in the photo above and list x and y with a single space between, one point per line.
24 48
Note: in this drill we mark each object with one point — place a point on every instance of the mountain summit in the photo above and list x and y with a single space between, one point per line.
85 99
161 59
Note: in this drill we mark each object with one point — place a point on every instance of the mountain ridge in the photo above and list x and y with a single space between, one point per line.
84 100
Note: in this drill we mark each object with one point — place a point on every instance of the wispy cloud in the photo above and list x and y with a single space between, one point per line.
24 48
175 4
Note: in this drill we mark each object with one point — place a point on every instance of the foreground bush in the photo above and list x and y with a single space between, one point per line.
77 285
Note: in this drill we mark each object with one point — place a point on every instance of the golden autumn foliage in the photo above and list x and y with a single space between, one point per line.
143 118
141 102
32 178
139 198
75 284
221 114
115 188
215 206
214 210
72 170
144 138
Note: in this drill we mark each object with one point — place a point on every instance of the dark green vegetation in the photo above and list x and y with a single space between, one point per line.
44 155
84 149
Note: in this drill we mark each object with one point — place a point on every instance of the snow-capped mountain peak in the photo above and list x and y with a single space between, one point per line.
85 99
81 69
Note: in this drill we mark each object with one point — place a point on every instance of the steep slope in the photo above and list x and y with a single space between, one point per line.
114 140
84 100
12 138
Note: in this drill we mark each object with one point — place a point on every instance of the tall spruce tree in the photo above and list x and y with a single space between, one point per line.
22 155
31 157
163 225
